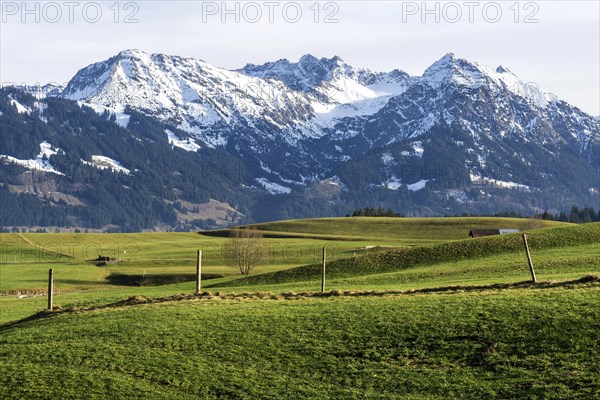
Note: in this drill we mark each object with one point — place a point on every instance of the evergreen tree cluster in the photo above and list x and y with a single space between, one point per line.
376 212
576 215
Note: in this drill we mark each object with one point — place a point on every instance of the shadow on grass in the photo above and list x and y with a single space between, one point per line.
136 300
78 282
225 233
155 279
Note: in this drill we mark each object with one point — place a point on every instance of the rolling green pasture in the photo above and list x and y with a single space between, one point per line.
413 310
408 231
25 258
163 263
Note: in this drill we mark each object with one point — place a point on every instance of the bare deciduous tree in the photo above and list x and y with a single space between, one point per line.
244 249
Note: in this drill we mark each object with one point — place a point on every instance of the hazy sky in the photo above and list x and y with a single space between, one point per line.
554 44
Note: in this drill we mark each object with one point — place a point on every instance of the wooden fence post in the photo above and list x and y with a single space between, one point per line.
50 288
198 271
323 272
529 259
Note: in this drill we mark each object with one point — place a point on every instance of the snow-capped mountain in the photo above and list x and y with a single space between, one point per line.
275 109
331 79
192 95
460 134
212 103
286 106
486 103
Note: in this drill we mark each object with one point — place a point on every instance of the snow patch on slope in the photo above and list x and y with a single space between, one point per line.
21 109
414 187
388 159
188 144
477 179
103 162
345 90
121 118
40 163
273 188
418 148
330 112
393 183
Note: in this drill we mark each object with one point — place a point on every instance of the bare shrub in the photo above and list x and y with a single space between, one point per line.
244 249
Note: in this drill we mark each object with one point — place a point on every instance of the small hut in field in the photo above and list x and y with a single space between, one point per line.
475 233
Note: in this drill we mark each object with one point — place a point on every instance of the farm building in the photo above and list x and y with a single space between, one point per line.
490 232
505 231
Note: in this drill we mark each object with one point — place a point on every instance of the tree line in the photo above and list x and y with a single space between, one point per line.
576 215
375 212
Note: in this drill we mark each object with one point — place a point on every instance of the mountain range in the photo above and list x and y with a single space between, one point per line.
150 141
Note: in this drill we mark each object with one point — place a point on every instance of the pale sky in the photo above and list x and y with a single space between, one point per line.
554 44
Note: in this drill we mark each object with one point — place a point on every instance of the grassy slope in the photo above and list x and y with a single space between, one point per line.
410 230
25 258
562 263
521 343
168 254
481 343
481 251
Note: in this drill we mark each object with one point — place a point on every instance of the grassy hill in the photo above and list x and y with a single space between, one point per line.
163 263
25 258
425 313
522 343
410 231
482 251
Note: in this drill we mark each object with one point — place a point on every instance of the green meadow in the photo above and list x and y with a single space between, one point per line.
413 309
